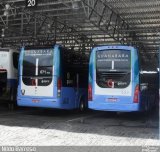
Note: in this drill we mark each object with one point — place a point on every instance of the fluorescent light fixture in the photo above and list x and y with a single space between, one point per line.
7 6
75 5
149 72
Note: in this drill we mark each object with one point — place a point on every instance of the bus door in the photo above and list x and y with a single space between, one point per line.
74 85
37 73
3 81
4 66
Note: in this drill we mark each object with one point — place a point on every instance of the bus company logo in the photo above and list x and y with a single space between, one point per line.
102 56
45 81
23 91
110 83
121 83
38 52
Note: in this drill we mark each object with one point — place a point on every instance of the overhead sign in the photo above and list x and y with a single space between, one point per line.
31 3
113 60
39 52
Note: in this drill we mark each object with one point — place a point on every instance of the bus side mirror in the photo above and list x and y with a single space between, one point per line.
143 86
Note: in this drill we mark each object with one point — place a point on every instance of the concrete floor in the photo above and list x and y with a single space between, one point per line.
28 126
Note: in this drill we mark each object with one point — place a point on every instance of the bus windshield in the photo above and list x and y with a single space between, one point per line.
113 68
38 64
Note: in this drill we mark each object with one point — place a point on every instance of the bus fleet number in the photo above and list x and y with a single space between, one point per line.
31 3
125 92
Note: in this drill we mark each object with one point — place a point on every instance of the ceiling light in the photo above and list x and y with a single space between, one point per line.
7 6
75 5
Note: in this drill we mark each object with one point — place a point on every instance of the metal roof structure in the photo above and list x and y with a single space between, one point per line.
83 23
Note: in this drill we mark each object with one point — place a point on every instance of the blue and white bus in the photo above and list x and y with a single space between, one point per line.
8 75
52 77
118 82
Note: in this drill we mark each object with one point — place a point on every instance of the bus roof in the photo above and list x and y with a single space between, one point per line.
38 46
112 47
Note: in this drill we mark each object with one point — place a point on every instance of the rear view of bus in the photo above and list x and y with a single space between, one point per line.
36 78
51 77
114 79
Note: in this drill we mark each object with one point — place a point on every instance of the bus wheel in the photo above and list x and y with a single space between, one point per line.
11 106
82 106
12 100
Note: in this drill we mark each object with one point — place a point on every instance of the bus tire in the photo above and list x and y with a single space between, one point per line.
12 100
11 95
11 106
82 106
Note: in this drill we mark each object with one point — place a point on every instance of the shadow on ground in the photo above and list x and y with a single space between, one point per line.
134 125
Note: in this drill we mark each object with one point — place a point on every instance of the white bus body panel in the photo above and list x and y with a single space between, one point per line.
6 62
37 91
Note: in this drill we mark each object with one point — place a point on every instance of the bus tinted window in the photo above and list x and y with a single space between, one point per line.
113 60
15 59
37 64
113 68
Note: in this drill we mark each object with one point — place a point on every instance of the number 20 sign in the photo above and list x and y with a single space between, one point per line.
31 3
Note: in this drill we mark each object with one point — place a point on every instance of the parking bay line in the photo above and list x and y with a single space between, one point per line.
85 117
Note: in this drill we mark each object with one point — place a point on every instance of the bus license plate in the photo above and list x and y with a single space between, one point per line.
112 99
35 100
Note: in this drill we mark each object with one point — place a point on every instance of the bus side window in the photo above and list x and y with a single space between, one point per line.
15 59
